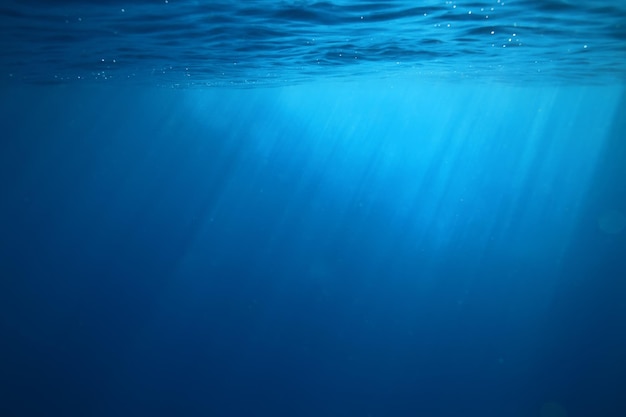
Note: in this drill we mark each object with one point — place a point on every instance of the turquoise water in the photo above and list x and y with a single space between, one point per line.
312 209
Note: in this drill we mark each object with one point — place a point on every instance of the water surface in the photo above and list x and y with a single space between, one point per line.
224 42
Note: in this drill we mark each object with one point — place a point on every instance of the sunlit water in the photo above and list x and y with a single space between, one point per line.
411 209
182 43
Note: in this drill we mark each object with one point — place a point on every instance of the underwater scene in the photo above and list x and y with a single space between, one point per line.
301 208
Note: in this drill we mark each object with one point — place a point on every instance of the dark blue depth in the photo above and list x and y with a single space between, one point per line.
322 250
313 209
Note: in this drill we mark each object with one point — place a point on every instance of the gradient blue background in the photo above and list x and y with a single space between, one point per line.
373 248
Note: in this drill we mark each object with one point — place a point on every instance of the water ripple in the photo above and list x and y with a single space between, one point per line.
184 42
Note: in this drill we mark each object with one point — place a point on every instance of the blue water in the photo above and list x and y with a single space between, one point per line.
313 209
199 43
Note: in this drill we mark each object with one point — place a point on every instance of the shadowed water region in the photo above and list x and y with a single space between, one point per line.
312 209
